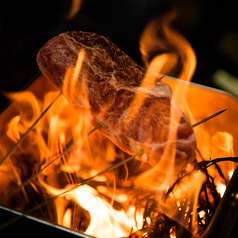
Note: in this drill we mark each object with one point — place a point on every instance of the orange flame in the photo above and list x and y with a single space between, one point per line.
75 8
176 58
93 155
108 203
166 51
182 202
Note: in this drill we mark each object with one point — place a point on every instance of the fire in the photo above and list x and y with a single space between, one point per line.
75 8
186 191
176 57
67 218
115 223
118 202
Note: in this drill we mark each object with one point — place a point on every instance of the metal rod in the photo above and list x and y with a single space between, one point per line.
85 181
208 118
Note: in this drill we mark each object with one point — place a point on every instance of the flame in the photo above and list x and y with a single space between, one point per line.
67 218
75 8
223 141
167 52
109 205
221 188
175 58
182 202
92 155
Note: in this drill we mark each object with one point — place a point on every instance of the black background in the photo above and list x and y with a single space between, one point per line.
210 27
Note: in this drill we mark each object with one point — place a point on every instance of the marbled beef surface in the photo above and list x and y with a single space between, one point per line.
113 80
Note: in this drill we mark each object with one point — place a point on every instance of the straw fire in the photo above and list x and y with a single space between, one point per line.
66 171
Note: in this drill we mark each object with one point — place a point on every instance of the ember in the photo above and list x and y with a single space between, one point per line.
65 171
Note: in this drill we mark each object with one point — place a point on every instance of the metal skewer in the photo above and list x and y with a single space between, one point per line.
208 118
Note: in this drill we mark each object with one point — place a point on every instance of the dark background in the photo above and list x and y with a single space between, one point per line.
210 27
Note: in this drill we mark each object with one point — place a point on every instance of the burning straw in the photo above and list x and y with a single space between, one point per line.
155 221
73 187
62 180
